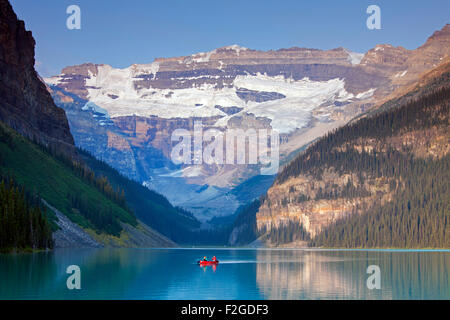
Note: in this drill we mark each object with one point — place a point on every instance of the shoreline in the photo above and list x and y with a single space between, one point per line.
32 251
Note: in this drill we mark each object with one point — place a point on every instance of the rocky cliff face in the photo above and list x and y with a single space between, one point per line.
302 93
26 104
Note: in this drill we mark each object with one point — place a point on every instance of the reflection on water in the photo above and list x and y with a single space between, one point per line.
241 274
212 267
342 274
43 275
301 275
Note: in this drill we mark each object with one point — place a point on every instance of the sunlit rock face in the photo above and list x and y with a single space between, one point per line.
302 93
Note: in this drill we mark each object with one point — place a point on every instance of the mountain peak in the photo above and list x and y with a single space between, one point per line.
439 38
444 32
234 47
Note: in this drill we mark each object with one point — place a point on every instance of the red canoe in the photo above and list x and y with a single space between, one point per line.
208 263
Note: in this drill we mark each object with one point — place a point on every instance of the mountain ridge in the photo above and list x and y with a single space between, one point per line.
301 92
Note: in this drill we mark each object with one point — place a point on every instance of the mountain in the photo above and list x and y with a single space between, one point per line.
300 92
84 209
380 181
150 207
27 106
47 187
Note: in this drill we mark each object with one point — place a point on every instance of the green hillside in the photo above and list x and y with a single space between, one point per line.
23 221
150 207
70 187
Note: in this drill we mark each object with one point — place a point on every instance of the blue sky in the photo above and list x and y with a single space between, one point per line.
121 33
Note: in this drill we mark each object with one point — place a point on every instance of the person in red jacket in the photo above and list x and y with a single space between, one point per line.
214 258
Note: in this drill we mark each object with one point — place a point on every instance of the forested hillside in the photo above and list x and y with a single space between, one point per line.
418 217
37 153
150 207
418 214
23 220
381 181
86 198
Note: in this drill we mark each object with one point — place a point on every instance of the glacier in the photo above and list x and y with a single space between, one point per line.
115 91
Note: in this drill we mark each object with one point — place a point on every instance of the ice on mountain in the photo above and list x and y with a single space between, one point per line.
354 57
112 92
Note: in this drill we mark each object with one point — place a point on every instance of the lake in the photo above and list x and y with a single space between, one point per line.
241 274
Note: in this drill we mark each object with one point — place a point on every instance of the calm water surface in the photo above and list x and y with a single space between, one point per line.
241 274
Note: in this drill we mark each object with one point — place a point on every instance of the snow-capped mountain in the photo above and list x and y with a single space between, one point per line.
302 93
283 86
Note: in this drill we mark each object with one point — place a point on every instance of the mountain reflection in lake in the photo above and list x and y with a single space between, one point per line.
241 274
342 274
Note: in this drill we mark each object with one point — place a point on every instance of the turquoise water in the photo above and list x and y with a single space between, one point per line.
241 274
